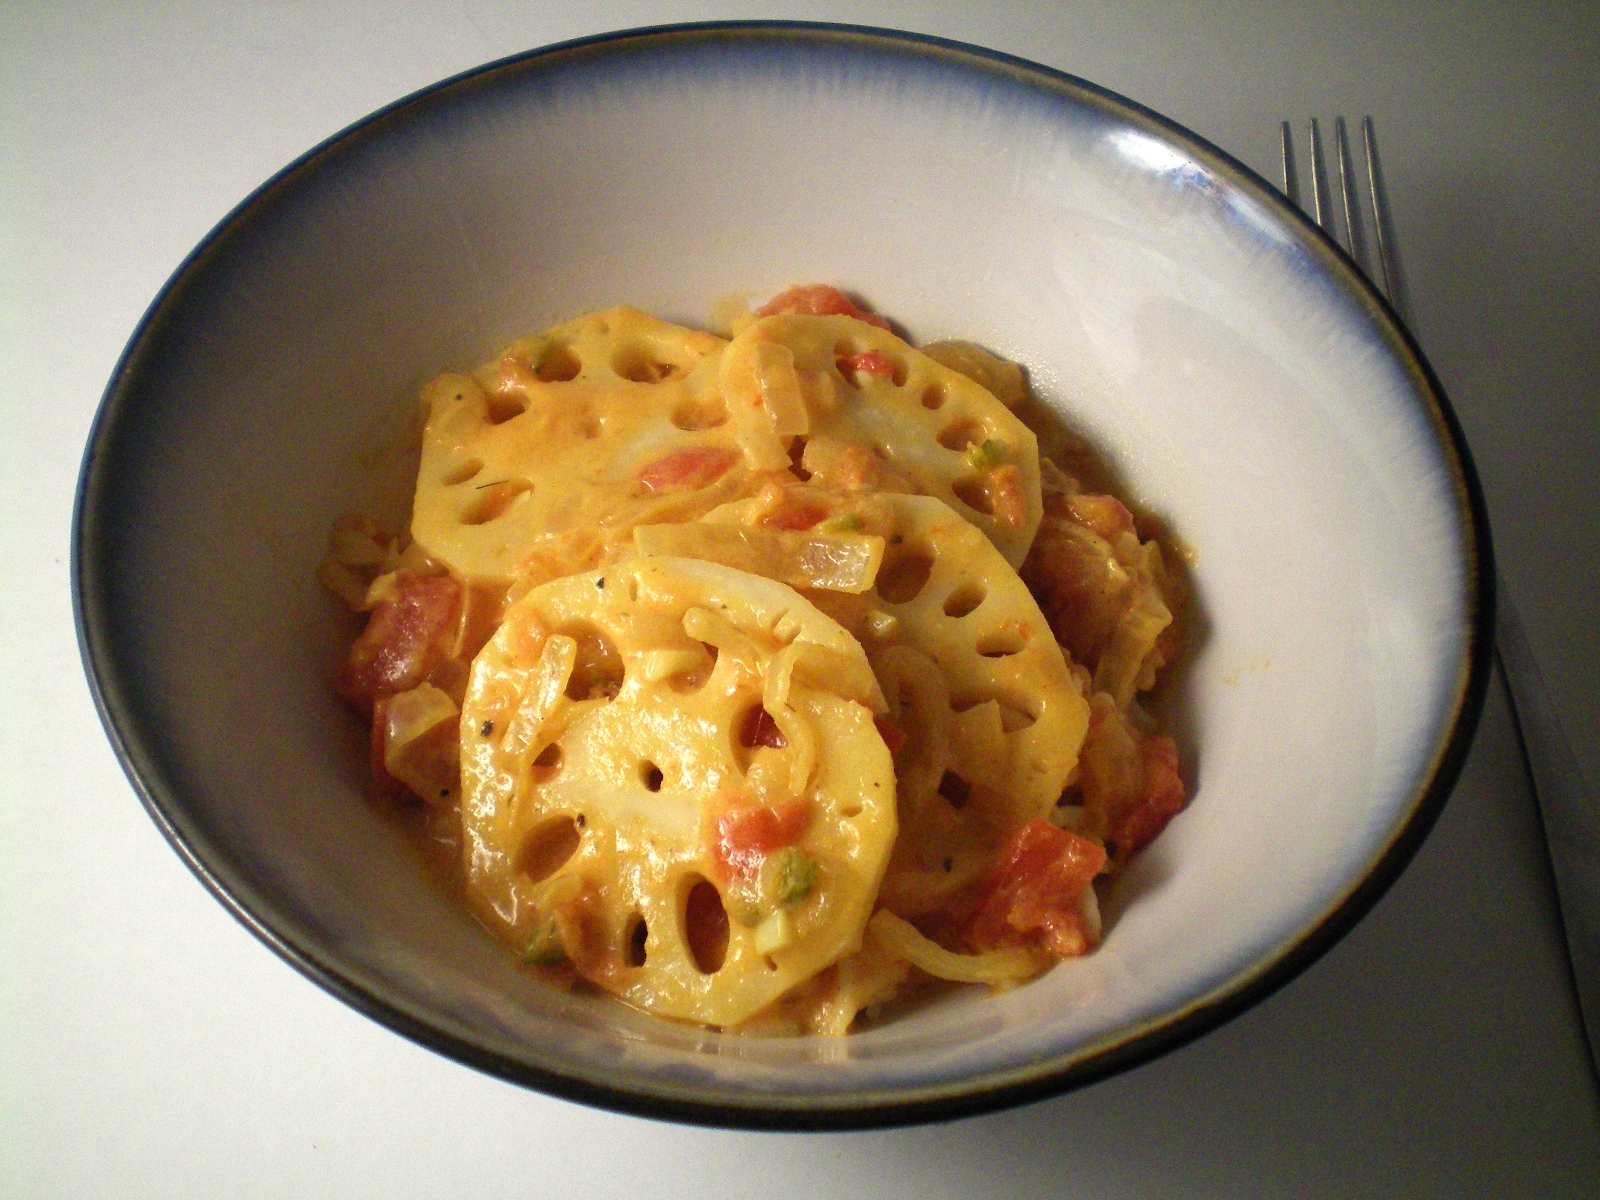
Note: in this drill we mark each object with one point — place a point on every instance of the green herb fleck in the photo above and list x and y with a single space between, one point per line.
486 729
991 454
544 949
794 873
538 351
847 523
743 909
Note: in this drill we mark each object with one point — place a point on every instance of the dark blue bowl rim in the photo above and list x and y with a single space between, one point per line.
843 1110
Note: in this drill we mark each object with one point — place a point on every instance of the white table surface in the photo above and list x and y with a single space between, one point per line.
150 1046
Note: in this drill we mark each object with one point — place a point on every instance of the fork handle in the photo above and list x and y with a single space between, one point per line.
1570 816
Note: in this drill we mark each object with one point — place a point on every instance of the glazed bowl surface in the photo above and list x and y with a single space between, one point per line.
1238 374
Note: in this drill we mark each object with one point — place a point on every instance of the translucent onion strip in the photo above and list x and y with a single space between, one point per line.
545 686
795 729
779 388
715 630
836 562
997 968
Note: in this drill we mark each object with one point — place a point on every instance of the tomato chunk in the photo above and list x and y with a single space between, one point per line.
746 836
406 636
870 362
691 467
795 515
1033 894
1105 515
818 300
1161 799
1007 495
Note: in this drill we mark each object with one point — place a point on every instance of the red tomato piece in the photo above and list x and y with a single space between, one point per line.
818 300
1162 799
893 736
406 636
691 467
870 362
1034 891
745 836
796 515
1006 494
1104 515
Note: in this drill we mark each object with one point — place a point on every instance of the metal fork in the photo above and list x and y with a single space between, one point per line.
1571 817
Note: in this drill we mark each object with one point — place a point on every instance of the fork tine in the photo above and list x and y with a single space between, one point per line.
1388 249
1353 236
1321 202
1291 174
1350 191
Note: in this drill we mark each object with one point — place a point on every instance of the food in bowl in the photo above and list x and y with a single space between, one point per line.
763 681
1191 324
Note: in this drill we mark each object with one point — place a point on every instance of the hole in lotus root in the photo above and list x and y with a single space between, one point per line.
958 435
559 364
461 472
965 598
705 412
757 728
903 575
548 762
634 940
640 363
956 790
597 670
858 367
493 500
1001 643
502 408
693 679
547 848
797 451
974 493
705 927
1013 718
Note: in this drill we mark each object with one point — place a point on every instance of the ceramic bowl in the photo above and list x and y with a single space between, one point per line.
1239 375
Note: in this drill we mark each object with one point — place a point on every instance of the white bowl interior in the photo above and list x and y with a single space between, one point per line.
1247 394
